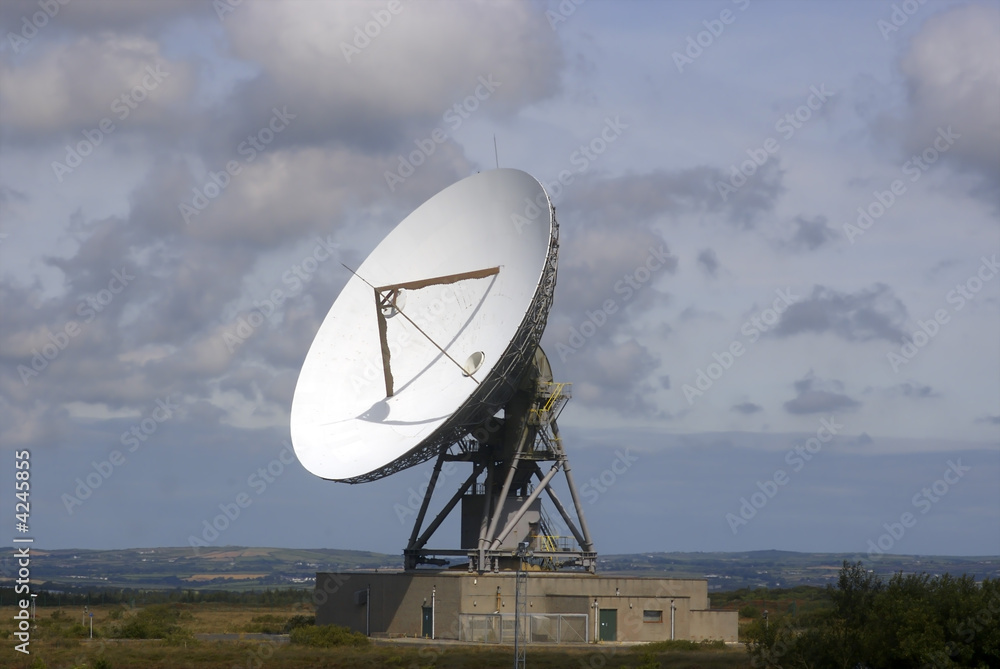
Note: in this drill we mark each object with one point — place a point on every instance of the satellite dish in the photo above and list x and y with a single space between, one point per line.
432 332
433 338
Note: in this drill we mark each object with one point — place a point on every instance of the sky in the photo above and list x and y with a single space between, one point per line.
777 299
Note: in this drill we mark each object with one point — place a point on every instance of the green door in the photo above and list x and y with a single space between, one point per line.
427 620
609 624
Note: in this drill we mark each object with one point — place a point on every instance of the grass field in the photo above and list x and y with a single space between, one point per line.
150 655
60 642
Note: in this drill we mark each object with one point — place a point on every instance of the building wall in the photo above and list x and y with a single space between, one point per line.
397 599
711 625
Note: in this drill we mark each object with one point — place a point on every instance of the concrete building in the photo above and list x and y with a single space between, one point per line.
562 607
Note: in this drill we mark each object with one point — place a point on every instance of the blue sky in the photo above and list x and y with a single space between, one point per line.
744 160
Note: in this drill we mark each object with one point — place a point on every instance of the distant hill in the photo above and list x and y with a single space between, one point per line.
240 568
223 568
786 569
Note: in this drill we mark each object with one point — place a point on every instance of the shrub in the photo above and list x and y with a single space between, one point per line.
265 624
179 636
153 622
648 661
298 621
327 636
678 644
910 621
78 631
749 611
267 618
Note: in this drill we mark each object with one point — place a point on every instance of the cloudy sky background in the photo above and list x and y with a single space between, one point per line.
198 79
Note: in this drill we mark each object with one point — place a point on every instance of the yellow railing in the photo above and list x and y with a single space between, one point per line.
551 543
556 394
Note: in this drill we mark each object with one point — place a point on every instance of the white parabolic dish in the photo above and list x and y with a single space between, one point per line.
343 425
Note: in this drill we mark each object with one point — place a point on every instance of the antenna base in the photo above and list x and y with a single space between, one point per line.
504 525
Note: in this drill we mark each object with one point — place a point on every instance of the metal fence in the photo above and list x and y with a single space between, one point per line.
542 627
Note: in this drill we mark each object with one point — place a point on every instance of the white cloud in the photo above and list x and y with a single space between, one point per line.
952 70
422 61
73 86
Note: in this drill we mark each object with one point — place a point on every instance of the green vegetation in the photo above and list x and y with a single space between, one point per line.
870 619
680 644
54 647
272 624
784 569
265 624
155 622
142 597
791 601
778 603
298 621
650 655
912 620
149 655
327 636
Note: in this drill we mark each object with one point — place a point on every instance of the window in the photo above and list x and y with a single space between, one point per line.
652 616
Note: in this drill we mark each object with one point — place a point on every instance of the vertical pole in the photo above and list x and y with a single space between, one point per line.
368 611
517 617
484 522
672 620
521 609
433 605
